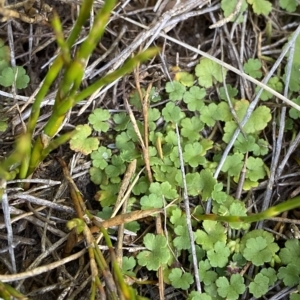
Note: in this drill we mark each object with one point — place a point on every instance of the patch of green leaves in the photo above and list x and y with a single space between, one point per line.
157 254
100 157
151 201
251 144
291 252
289 5
255 169
99 119
228 6
209 114
213 232
182 241
232 92
15 75
128 263
233 164
293 112
193 154
261 7
175 90
259 286
163 189
4 52
121 121
275 84
220 256
194 98
11 75
208 72
207 275
177 217
259 119
185 78
191 128
231 289
252 67
290 275
295 295
181 280
81 142
172 113
197 296
258 247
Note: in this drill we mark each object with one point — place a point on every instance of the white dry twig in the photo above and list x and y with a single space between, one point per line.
188 213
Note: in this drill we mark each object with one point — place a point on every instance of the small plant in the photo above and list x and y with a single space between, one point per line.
222 251
8 77
11 76
157 253
260 7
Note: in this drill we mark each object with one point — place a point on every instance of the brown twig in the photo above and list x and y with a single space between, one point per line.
30 16
125 183
161 284
137 131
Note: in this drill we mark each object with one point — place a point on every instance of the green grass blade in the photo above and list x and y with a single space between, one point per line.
19 155
35 112
128 66
81 20
58 115
60 40
50 77
58 63
39 153
266 214
74 73
101 19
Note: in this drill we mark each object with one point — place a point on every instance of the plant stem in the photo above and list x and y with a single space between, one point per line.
266 214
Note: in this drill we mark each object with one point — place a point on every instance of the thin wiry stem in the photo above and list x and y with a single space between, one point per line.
117 61
294 144
251 108
188 213
242 52
7 220
277 150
